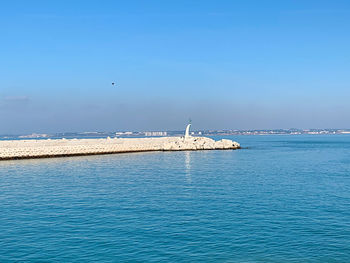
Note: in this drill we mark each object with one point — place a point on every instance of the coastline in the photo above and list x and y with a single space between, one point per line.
30 149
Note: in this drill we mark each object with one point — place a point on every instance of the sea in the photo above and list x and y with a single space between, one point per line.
281 198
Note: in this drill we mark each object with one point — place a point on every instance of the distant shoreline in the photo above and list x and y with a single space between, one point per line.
161 134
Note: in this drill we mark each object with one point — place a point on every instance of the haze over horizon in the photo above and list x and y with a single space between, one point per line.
224 64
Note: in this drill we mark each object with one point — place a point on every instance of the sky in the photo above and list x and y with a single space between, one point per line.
231 64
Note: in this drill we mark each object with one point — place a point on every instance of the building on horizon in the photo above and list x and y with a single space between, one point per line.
156 133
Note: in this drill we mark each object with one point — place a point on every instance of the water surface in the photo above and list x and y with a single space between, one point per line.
281 199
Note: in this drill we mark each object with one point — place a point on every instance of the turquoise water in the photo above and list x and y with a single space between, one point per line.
281 199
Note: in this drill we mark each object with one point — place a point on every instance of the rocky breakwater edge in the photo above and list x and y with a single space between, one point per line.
25 149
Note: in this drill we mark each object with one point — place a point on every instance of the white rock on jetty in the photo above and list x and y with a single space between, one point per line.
22 149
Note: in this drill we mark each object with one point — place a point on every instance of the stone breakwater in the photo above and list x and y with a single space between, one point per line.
23 149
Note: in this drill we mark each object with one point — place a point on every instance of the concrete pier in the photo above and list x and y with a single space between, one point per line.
25 149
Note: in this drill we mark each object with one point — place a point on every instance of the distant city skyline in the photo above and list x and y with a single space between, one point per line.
121 134
224 64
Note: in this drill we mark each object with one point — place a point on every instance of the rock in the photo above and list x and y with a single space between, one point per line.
18 149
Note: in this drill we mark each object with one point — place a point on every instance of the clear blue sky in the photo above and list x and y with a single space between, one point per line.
226 64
